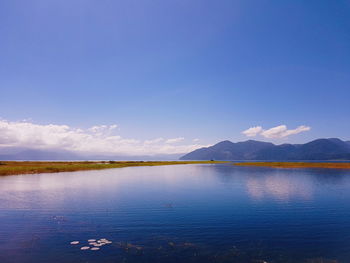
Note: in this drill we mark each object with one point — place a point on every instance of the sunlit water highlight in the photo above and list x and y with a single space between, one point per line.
182 213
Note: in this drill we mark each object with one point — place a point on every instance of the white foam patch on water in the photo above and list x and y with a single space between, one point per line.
98 245
94 244
85 248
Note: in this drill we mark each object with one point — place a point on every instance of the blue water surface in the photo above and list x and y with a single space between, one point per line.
180 213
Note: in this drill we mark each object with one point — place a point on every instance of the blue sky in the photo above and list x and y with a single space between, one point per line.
192 69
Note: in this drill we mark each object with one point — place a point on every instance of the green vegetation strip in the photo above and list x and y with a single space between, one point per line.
12 168
297 165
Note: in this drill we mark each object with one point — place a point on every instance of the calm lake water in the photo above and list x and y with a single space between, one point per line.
182 213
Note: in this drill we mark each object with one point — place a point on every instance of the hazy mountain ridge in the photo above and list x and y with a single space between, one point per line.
320 149
17 154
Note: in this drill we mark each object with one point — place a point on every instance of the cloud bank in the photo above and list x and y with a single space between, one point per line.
275 132
100 139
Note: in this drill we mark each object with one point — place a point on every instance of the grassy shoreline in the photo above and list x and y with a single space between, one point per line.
24 167
296 165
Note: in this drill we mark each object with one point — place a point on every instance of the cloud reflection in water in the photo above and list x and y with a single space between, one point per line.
280 188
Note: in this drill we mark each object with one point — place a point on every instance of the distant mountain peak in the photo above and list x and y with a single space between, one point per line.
226 142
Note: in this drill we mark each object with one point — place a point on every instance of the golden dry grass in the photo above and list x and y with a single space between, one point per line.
13 167
297 165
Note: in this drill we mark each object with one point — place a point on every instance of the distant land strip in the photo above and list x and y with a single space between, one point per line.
296 165
28 167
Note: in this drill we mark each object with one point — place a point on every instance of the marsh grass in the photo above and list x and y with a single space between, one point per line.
297 165
13 167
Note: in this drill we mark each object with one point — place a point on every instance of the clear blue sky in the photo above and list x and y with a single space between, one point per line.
192 68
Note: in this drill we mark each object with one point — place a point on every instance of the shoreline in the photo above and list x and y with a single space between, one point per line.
296 165
37 167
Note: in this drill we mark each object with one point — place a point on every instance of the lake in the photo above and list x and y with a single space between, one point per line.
179 213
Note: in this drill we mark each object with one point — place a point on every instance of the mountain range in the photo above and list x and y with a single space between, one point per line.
320 149
28 154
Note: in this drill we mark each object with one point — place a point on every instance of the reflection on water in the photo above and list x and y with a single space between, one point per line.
279 187
185 213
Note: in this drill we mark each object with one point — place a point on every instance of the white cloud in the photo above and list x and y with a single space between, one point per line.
282 131
195 140
275 132
154 141
253 131
103 129
97 139
175 140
